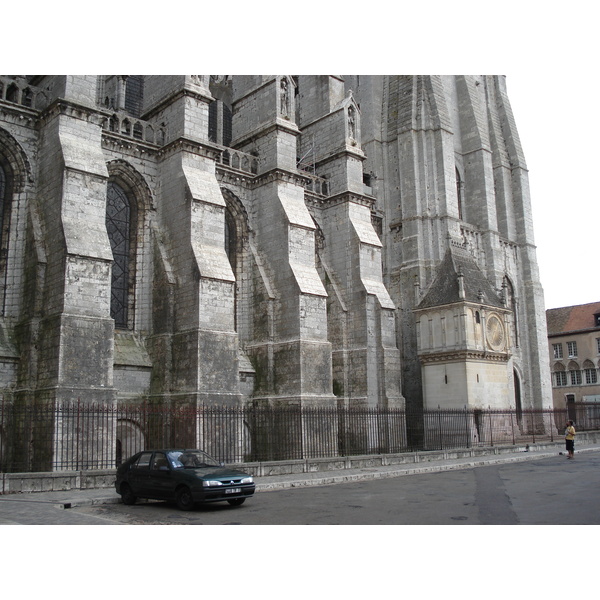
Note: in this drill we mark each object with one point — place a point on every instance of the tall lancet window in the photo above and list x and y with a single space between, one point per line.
231 249
231 239
3 194
120 215
459 194
5 206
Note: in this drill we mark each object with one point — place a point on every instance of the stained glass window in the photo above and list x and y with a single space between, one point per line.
118 225
2 191
5 205
4 213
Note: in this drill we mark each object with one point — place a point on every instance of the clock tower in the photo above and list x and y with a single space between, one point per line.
464 338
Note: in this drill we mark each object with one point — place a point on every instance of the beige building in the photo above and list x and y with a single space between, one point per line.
574 345
464 339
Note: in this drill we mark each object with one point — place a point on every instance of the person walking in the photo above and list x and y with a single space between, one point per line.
570 439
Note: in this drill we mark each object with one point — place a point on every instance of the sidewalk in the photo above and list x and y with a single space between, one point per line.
83 497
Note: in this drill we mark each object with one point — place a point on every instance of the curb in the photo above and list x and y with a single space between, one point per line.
416 470
89 502
355 476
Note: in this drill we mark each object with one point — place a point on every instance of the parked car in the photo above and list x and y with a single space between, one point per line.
186 477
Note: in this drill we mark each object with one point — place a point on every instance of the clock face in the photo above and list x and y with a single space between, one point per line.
495 333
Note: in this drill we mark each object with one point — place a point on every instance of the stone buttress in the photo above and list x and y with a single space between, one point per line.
194 343
292 356
366 362
71 328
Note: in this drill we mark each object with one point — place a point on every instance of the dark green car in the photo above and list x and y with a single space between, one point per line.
184 476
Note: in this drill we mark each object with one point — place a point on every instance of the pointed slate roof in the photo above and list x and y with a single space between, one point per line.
445 286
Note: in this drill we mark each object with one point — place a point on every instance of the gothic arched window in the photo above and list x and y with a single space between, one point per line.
511 302
231 239
219 123
3 187
459 194
5 207
232 251
236 248
120 225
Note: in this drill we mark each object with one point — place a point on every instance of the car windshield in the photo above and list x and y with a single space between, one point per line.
191 459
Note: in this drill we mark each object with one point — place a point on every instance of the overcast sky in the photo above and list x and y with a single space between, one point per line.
559 133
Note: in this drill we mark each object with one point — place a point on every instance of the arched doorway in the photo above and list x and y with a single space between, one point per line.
130 440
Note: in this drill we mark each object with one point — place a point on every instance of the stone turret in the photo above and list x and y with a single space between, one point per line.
464 338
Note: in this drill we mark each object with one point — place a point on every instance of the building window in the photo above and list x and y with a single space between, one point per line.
2 186
591 376
459 194
575 377
572 349
5 210
119 227
558 351
560 378
134 95
3 200
598 345
5 204
220 119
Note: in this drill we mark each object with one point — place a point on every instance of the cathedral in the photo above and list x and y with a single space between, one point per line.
311 240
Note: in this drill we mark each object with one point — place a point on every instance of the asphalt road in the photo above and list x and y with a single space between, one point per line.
551 491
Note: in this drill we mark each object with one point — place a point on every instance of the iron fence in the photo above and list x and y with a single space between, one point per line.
37 437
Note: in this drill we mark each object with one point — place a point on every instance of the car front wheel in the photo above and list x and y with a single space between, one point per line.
184 499
127 495
236 501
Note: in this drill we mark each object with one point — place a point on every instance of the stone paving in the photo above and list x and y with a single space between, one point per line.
71 498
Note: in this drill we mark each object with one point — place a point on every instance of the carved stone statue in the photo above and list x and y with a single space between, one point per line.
351 123
283 98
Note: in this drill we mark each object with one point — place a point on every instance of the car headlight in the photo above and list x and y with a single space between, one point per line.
247 480
211 483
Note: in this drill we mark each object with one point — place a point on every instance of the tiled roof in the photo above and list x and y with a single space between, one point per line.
444 289
572 318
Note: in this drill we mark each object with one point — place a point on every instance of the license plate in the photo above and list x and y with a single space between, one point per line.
234 491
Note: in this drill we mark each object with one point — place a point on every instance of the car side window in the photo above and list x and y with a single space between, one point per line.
143 462
174 457
160 462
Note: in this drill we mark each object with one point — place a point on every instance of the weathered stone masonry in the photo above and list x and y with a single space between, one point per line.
298 264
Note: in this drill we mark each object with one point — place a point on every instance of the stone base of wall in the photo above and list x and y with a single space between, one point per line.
59 481
15 483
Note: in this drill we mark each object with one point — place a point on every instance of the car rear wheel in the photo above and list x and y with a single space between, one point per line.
236 501
127 495
184 499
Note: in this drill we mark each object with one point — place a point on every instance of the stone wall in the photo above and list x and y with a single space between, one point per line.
245 285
